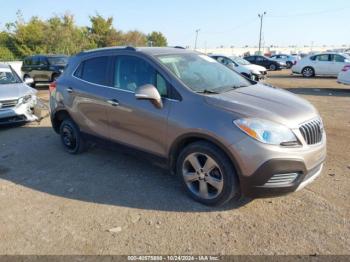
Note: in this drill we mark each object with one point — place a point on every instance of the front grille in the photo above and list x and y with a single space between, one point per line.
8 103
263 72
312 131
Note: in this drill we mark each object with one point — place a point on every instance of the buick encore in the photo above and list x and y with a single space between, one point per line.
224 135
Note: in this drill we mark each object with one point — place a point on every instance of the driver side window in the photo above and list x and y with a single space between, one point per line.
132 72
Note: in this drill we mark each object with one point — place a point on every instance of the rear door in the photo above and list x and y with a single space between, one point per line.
88 95
260 60
337 64
322 64
251 59
43 69
138 123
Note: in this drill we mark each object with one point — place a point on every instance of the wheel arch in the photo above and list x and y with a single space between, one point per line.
181 142
58 117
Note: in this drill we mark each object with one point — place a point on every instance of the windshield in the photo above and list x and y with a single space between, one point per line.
8 77
240 60
62 60
202 73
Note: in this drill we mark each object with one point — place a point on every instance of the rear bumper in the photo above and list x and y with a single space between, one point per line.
259 184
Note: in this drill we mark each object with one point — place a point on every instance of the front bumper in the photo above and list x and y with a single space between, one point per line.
19 113
266 170
259 184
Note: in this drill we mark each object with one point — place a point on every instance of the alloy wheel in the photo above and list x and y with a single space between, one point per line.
202 175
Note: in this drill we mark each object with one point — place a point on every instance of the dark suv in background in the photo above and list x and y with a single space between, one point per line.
44 68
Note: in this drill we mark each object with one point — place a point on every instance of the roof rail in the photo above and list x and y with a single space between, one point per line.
130 48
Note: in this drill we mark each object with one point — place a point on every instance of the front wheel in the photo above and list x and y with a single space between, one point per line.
289 64
71 137
308 72
207 174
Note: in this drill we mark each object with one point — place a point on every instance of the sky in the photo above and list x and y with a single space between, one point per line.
222 22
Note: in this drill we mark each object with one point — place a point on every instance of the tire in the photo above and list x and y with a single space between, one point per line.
220 173
71 138
273 67
289 64
308 72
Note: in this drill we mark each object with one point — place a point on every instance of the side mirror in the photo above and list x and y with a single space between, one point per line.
28 80
149 92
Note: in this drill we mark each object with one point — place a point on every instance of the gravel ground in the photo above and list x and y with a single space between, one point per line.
109 202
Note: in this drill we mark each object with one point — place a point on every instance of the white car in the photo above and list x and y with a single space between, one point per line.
321 64
344 75
242 66
17 99
289 60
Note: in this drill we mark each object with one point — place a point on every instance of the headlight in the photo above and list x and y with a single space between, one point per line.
266 131
24 99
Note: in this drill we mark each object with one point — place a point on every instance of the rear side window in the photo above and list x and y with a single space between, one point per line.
27 61
322 58
36 60
338 58
94 70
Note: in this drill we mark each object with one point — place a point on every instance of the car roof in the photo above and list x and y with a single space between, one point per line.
4 66
153 51
46 56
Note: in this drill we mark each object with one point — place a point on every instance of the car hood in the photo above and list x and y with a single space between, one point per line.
255 68
15 91
261 101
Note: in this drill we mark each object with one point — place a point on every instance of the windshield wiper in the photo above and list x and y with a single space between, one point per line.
206 91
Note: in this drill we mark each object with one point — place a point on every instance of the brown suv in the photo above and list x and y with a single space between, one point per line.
224 135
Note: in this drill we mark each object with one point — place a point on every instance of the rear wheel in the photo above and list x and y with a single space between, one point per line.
272 67
207 174
308 72
71 137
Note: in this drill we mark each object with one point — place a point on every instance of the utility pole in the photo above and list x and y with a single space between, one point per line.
261 16
195 43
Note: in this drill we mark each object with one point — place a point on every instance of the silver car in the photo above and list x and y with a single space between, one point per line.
17 99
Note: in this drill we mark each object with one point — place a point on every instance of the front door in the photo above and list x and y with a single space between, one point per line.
138 123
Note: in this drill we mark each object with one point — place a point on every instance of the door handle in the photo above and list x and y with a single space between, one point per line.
113 102
69 90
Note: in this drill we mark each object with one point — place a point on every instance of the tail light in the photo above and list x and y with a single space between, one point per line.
346 68
52 86
295 62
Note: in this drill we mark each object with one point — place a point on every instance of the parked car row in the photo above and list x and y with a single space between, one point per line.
289 60
242 66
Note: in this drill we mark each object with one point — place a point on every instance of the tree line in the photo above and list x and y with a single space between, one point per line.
60 35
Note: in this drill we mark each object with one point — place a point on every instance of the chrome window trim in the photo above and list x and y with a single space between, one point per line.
110 87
